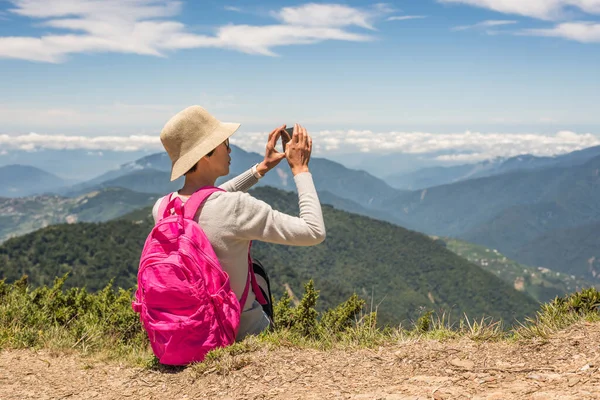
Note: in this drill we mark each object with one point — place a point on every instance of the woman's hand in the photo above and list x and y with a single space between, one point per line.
298 150
272 156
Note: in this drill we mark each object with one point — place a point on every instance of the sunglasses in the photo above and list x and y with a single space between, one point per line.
226 142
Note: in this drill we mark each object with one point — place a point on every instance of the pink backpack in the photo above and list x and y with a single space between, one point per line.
184 297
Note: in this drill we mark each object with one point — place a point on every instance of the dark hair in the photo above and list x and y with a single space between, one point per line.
195 167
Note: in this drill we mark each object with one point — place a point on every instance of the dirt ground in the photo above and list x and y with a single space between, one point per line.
565 367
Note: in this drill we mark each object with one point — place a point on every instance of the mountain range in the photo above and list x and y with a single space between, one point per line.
438 175
150 174
76 165
523 204
507 211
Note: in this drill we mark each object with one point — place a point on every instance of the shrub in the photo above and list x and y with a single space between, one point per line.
53 317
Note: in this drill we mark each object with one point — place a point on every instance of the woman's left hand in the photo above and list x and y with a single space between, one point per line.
272 156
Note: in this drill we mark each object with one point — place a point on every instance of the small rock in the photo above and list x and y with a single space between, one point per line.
465 364
487 379
585 367
536 377
574 381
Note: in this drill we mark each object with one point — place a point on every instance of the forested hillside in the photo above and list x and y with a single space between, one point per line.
405 271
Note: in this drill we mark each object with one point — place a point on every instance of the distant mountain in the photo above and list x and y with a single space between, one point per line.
436 176
541 283
19 216
406 271
152 162
83 164
144 181
463 208
519 224
24 180
151 175
573 251
383 165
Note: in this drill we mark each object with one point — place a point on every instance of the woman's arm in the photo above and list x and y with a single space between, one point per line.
242 182
256 220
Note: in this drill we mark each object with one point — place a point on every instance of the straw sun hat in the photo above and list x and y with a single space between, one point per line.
190 135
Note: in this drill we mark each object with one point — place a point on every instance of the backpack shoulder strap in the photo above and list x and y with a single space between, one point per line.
192 204
163 207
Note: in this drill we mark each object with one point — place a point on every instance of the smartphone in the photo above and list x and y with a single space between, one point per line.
290 132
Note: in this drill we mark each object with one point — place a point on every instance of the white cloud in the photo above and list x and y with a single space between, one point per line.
467 146
542 9
406 17
458 147
35 141
461 146
485 25
142 27
329 15
231 8
585 32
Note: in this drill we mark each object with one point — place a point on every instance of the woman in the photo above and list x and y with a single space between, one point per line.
198 145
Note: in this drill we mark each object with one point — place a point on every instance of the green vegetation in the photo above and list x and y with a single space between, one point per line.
540 283
397 270
103 324
93 254
562 312
51 317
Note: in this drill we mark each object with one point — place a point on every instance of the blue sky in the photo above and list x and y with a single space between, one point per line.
471 78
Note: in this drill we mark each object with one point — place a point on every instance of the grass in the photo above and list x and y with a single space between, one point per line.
104 326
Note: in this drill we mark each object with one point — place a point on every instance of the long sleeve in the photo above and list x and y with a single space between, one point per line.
256 220
241 183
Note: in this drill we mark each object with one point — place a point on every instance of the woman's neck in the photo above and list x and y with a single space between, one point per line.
193 183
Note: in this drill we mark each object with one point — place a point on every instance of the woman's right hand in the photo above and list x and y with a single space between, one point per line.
298 150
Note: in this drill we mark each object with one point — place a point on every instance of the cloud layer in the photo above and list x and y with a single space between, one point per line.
485 25
550 10
147 27
541 9
585 32
459 147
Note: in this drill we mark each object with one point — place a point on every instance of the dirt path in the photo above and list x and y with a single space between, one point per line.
565 367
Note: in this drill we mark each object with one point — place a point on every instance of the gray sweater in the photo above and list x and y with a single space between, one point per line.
233 218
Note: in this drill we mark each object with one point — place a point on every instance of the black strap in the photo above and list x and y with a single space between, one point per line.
265 287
